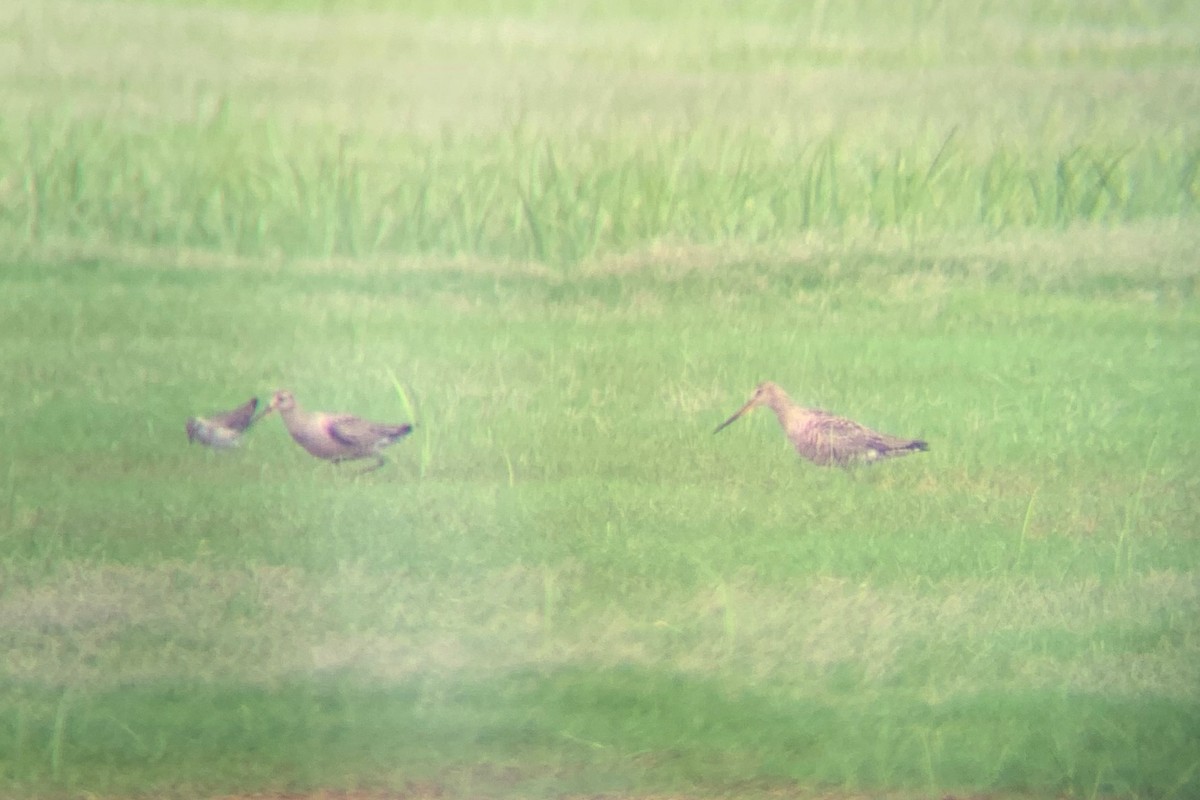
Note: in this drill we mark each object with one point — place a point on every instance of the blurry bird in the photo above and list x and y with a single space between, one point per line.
823 438
336 437
222 431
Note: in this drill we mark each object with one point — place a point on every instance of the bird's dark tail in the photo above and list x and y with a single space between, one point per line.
902 447
396 432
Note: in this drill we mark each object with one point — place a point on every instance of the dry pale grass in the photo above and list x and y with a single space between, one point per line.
389 71
432 791
1155 251
106 625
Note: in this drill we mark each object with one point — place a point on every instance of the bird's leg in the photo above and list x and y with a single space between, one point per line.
379 462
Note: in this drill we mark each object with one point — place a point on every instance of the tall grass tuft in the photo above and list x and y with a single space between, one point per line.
255 190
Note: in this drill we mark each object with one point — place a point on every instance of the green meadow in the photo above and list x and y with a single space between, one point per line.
566 241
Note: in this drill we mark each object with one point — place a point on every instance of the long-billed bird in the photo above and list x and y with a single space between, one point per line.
336 437
824 438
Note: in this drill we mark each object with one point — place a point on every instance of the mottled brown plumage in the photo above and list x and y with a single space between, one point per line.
336 437
824 438
224 430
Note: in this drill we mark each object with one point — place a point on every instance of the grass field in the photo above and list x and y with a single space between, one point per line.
568 240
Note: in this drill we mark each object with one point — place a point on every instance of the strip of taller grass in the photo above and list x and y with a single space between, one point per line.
237 188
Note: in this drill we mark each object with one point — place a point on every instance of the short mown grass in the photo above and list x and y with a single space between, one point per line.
567 243
564 582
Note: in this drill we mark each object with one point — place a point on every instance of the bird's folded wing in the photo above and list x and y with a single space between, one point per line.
839 440
840 429
353 431
846 439
240 418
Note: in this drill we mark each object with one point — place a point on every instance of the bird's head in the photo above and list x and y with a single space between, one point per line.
282 400
764 394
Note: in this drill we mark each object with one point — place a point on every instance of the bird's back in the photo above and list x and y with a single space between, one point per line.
827 439
363 434
239 418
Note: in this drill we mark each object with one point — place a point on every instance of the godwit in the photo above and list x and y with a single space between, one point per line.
823 438
336 437
225 430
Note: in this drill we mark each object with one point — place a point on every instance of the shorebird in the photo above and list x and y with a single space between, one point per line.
222 431
336 437
824 438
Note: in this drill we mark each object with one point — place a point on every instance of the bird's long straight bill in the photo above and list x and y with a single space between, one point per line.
736 414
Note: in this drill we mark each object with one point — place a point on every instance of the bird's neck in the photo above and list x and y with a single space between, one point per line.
780 403
787 412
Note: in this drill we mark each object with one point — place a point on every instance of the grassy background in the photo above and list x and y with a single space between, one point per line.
563 134
576 237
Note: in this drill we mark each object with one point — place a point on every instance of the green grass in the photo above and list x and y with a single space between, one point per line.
565 582
475 735
529 196
567 243
526 134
